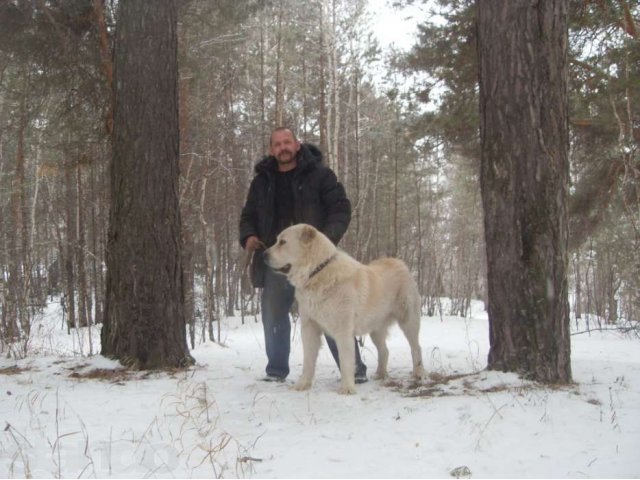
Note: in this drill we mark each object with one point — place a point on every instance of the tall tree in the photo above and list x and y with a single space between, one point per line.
144 322
522 49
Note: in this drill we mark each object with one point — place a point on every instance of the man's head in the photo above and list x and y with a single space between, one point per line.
284 146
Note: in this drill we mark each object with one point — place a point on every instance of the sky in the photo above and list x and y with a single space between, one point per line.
66 414
397 28
394 26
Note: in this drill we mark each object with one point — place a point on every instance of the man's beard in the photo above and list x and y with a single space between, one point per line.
286 159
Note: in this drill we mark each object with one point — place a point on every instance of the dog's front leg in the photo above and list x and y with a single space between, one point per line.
311 337
347 353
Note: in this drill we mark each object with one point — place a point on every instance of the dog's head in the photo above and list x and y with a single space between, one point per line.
297 251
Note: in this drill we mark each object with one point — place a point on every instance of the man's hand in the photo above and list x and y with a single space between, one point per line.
253 243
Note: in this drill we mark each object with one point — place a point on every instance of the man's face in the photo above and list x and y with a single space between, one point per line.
284 147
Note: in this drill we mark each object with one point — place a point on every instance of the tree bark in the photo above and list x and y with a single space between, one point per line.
144 324
84 312
322 108
522 48
70 243
279 106
105 58
97 244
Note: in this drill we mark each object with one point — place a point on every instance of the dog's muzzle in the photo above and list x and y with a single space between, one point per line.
284 269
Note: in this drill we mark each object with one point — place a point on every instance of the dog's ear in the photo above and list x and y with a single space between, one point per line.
308 234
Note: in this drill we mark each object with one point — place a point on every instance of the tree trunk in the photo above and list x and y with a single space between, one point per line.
394 221
356 160
263 96
578 281
322 109
144 323
334 140
70 244
84 312
96 262
16 308
279 106
522 48
305 114
189 281
419 260
105 57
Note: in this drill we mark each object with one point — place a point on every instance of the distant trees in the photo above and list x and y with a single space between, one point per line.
605 204
525 179
307 64
52 168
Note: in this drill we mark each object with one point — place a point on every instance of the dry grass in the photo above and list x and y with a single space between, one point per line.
117 375
442 385
439 384
13 370
436 385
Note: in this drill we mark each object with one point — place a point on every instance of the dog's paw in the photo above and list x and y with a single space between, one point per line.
419 373
347 390
302 385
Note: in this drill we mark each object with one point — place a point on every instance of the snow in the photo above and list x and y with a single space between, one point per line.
71 415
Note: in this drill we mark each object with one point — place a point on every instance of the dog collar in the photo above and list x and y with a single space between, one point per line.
319 268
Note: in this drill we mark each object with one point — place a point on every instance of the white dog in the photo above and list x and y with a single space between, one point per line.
344 298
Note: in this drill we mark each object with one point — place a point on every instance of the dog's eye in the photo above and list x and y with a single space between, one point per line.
281 242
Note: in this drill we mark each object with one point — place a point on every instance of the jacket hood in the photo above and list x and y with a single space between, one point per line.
309 155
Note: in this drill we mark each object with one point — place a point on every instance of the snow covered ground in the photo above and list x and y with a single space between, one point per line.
67 415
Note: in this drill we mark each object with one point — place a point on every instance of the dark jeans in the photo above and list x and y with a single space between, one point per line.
277 299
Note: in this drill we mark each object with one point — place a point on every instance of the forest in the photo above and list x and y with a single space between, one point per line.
400 129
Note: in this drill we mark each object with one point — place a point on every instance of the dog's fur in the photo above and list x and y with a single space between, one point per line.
344 298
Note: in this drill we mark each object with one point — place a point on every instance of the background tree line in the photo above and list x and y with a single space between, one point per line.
411 171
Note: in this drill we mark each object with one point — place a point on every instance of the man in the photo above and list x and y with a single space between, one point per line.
292 185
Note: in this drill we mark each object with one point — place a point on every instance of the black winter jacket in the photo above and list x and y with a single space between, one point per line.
319 200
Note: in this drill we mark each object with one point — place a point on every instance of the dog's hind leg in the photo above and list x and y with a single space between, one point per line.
311 338
411 329
379 338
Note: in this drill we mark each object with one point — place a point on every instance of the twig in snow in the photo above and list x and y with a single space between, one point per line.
496 411
25 461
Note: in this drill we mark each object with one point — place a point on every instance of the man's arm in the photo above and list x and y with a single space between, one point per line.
337 205
248 217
